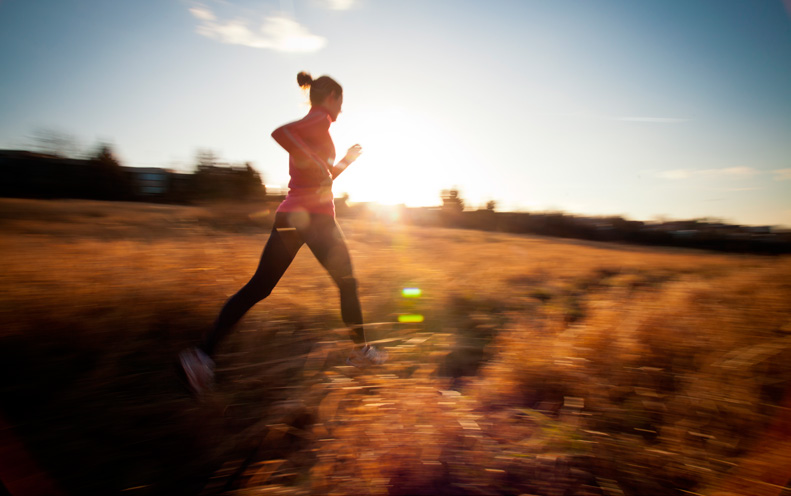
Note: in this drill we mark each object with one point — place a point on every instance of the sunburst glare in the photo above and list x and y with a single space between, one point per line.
407 157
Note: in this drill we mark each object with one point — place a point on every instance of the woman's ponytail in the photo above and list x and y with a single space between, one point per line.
304 79
320 88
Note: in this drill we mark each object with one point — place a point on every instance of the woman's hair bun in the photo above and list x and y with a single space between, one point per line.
304 79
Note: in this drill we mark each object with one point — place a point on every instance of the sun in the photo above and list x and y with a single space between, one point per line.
406 157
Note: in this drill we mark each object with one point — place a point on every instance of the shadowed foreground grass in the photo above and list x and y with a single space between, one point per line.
542 366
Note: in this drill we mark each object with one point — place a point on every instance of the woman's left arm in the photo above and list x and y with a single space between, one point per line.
351 155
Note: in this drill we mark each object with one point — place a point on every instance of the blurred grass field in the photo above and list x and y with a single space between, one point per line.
542 366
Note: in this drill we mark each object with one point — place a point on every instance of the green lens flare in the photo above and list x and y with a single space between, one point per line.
411 292
410 318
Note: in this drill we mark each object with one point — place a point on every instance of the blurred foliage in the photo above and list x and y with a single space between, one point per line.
52 141
102 177
543 366
451 201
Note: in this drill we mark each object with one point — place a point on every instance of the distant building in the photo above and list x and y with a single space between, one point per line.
758 229
149 181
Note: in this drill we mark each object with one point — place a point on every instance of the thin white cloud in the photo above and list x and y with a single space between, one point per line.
339 4
724 172
203 13
782 174
621 118
741 189
674 174
652 120
729 171
277 32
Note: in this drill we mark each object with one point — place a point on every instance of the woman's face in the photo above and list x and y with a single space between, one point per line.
333 103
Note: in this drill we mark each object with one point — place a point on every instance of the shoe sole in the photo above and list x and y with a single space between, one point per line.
184 380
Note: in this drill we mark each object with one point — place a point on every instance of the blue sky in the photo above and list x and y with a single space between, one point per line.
658 108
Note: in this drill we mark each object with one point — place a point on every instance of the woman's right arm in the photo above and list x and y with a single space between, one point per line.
290 138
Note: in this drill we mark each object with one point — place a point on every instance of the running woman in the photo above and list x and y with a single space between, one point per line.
306 216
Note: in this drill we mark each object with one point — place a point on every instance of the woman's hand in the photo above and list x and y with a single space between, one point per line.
351 155
354 152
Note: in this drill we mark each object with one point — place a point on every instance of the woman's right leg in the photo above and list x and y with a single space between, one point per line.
327 243
281 248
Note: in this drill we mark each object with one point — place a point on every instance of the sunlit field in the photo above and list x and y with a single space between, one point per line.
541 366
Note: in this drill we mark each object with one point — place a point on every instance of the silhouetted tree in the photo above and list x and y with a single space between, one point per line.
206 159
451 201
105 157
250 183
53 142
214 180
112 183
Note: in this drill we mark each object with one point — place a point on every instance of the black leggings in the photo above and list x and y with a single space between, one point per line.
291 230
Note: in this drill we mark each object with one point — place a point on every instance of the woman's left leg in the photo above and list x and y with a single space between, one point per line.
280 249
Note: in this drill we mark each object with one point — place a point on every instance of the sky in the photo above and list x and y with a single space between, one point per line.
657 109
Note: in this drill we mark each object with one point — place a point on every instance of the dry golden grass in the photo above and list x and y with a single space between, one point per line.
543 366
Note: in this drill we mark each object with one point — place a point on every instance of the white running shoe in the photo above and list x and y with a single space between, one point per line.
366 356
198 370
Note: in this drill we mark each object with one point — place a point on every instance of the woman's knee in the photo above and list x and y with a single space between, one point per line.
256 290
347 284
